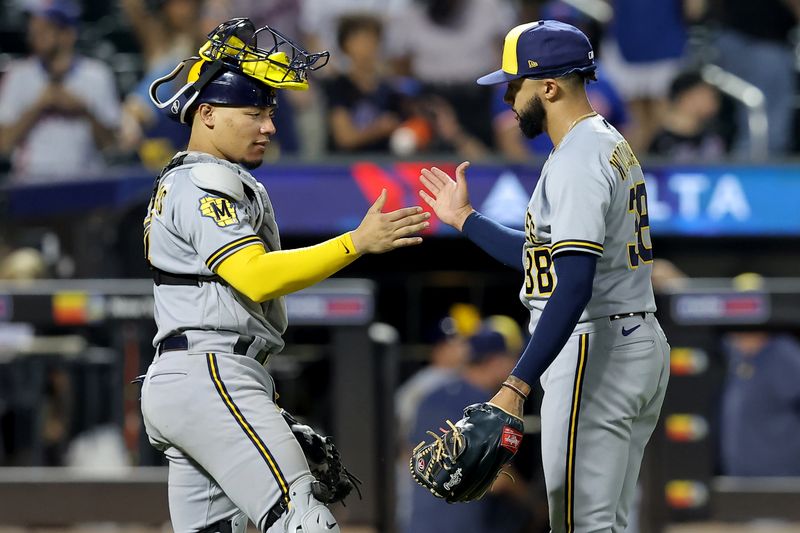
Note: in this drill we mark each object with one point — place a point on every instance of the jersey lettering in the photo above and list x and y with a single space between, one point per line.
622 159
641 248
158 201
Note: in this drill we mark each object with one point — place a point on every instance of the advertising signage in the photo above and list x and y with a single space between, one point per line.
323 199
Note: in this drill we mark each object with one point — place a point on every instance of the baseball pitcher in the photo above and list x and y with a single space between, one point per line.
586 259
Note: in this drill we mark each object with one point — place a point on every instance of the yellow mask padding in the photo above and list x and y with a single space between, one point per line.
273 71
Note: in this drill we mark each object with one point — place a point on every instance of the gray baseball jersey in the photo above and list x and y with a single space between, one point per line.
591 197
204 211
207 401
604 391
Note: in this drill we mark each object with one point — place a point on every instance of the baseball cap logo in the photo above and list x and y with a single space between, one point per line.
532 63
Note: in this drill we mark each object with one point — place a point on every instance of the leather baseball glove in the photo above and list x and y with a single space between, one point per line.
462 464
334 482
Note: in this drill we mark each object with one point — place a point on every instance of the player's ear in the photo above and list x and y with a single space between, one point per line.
550 89
206 114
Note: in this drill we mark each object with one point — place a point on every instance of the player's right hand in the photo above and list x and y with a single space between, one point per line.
381 232
449 198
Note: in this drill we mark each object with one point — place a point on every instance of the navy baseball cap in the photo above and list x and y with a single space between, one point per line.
486 343
543 49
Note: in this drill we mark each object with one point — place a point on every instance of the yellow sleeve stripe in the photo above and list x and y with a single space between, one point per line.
587 246
213 369
221 253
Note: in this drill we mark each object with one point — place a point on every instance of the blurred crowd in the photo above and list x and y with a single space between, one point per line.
685 80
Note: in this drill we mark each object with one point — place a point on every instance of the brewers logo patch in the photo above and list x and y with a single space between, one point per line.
221 210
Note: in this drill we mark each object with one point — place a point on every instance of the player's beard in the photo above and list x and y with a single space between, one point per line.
531 120
251 164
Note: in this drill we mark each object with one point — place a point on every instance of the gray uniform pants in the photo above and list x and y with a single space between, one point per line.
602 397
228 446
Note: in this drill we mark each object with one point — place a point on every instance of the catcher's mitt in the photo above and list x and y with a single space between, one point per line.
462 464
334 482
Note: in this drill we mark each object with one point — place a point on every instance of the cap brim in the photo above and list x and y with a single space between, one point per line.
497 77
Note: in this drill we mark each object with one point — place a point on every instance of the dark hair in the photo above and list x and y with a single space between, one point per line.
684 82
579 78
353 23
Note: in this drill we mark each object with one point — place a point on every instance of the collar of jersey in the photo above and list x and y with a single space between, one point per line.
573 127
193 157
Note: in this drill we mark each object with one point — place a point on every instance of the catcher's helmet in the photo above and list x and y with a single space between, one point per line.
232 69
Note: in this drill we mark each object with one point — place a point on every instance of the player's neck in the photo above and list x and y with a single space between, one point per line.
560 121
199 143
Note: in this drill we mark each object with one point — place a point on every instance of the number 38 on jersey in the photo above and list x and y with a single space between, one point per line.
539 272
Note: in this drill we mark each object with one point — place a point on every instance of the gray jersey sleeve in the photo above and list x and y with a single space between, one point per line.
215 225
579 196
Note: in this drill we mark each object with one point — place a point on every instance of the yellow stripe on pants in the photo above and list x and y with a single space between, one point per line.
580 371
246 427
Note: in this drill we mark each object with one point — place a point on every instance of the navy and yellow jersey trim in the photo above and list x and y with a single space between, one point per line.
572 436
577 245
146 235
213 370
221 253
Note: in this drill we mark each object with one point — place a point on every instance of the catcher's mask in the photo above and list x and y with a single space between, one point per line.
232 69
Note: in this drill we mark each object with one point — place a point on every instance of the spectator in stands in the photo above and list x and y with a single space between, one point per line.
760 427
603 95
168 31
447 44
58 110
319 21
491 357
687 131
366 113
642 54
282 14
363 107
754 44
448 354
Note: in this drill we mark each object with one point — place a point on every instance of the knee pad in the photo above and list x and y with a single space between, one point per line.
306 514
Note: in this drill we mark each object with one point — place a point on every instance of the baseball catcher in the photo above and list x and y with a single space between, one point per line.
220 276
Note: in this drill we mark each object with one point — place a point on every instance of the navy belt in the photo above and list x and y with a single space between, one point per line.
242 346
642 314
